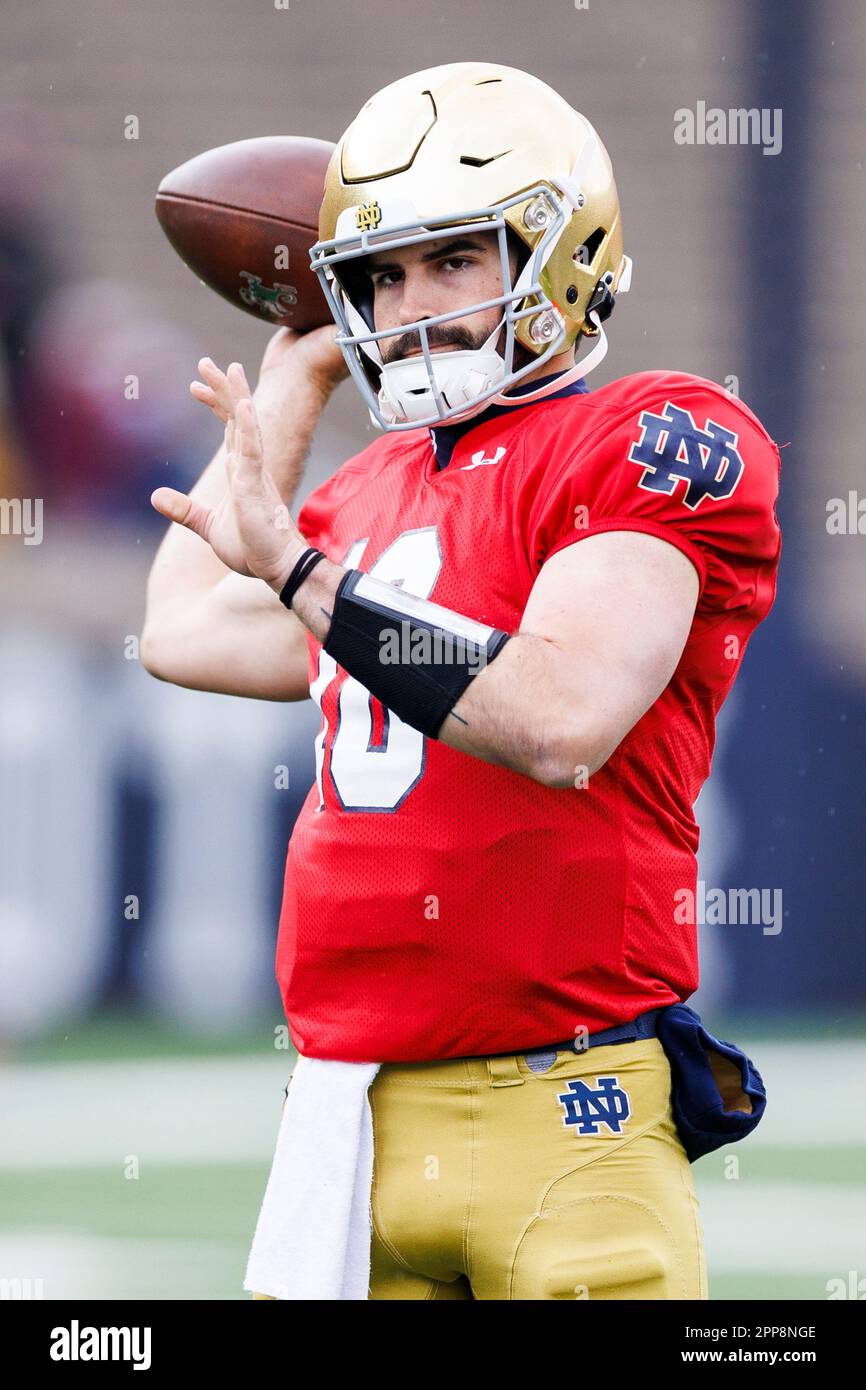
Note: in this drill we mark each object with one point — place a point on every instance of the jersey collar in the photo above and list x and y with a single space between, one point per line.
445 437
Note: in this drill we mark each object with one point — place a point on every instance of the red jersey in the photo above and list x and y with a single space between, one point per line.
436 905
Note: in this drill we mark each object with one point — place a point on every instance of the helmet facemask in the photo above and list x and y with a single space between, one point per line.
432 387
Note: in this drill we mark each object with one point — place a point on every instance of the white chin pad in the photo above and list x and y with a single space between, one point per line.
460 375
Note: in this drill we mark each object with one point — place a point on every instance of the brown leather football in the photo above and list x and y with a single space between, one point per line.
244 216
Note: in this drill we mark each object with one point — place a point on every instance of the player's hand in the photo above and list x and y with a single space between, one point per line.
250 529
314 354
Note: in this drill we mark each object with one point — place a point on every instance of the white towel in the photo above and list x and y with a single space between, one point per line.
312 1238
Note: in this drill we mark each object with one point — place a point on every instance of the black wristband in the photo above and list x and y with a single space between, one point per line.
300 572
415 656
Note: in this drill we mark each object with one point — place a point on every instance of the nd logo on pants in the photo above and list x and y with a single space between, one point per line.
533 1177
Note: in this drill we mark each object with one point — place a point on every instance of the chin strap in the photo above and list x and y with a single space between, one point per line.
585 365
580 369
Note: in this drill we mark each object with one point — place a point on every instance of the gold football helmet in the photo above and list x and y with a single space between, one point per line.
471 147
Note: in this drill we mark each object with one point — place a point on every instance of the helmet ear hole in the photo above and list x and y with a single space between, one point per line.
585 253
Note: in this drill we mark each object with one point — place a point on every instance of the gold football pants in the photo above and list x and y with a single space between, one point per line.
496 1179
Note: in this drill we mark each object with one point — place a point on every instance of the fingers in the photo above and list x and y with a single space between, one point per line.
214 390
207 397
247 447
220 390
243 447
230 449
176 506
237 380
228 395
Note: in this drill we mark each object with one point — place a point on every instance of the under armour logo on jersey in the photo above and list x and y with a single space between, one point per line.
671 447
588 1107
478 459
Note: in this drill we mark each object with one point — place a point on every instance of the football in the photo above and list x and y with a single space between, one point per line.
243 218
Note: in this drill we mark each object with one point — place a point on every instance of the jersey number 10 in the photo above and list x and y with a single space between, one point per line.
371 776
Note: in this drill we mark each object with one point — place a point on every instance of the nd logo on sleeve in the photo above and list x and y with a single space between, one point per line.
672 448
587 1106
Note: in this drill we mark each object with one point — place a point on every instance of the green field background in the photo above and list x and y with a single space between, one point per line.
134 1157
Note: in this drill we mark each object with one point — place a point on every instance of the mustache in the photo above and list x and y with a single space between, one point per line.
440 335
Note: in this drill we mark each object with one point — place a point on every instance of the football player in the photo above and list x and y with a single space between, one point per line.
519 609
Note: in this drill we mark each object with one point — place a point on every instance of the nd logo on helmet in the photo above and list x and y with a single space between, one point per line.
368 216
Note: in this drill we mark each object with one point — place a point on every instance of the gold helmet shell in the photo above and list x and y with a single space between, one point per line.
466 135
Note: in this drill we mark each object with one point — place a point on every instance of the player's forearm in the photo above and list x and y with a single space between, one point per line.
528 709
233 639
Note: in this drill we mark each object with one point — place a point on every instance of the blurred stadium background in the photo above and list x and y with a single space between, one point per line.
141 1070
